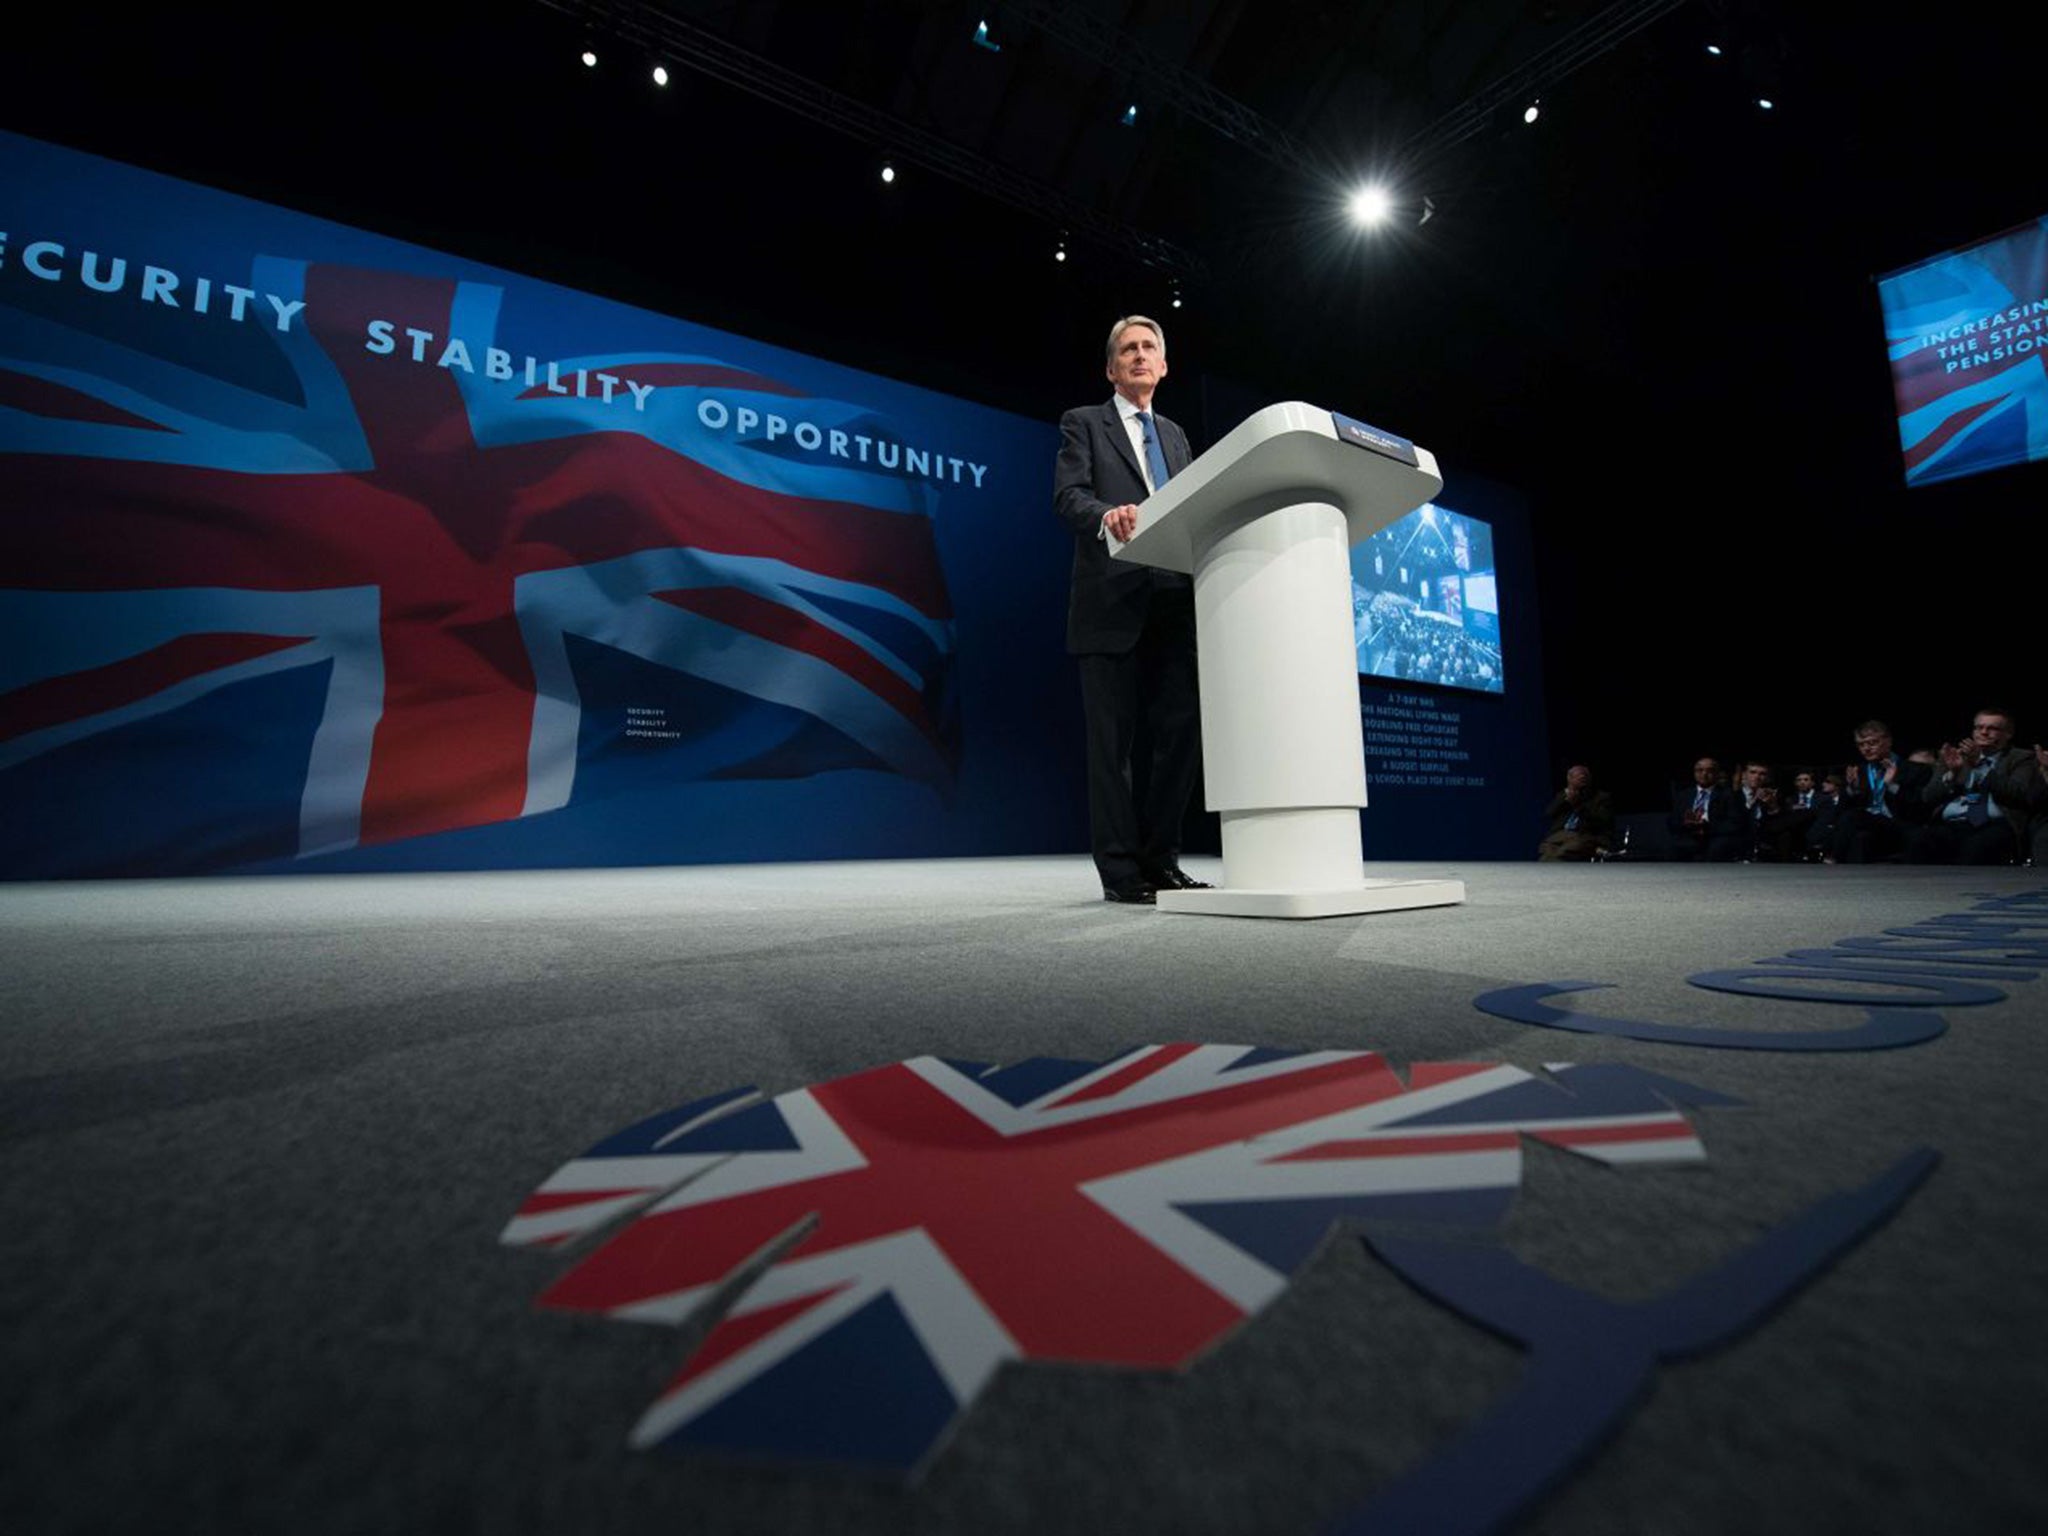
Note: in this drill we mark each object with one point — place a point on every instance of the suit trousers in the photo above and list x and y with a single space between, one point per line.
1864 838
1153 685
1956 842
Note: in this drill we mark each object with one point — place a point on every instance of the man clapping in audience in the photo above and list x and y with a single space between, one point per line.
1878 795
1797 813
1781 821
1966 823
1827 809
1702 820
2019 782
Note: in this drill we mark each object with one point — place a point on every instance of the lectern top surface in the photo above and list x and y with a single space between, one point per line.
1280 456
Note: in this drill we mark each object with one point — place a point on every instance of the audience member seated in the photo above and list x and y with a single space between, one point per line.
1751 804
1794 818
2019 782
1827 809
1880 797
1965 822
1581 820
1781 823
1702 822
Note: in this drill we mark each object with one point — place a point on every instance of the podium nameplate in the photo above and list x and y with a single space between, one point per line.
1359 435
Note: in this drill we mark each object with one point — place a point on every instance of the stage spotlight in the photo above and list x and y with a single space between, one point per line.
983 40
1060 254
1370 206
660 75
1714 49
589 59
888 173
1533 111
1130 117
1765 102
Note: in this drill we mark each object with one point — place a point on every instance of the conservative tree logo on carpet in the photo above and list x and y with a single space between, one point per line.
867 1252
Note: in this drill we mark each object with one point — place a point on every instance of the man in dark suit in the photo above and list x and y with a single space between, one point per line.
2020 781
1881 799
1702 822
1967 821
1581 819
1132 628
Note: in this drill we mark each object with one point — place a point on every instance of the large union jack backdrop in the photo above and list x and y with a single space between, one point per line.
882 1243
1968 334
282 578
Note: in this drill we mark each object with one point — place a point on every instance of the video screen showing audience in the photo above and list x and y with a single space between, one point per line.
1425 607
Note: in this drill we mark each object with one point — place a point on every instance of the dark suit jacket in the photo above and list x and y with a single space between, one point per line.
2021 787
1723 810
1596 814
1097 470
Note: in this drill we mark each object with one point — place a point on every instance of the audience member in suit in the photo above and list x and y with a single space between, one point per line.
1827 809
1793 820
1131 628
2019 781
1881 797
1781 822
1581 820
1702 821
1965 822
1753 798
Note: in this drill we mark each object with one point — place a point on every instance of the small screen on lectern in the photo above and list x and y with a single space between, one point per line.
1425 607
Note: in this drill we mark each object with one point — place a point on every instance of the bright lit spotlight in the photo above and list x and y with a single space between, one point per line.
1765 102
1370 206
660 75
1130 117
1531 112
589 59
1060 254
888 173
1714 49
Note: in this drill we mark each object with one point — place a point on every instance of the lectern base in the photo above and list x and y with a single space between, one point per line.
1367 896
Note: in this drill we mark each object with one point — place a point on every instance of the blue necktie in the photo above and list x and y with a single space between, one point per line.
1155 458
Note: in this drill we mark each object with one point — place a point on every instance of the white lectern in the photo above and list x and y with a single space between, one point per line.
1265 521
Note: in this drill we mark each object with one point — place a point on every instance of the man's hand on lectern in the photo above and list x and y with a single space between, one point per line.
1121 522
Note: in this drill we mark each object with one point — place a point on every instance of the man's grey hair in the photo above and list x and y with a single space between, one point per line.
1109 349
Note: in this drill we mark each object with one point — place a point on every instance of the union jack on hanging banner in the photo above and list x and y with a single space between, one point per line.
885 1241
1968 334
286 595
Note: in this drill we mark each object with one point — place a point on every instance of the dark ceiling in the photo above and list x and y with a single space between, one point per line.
1651 311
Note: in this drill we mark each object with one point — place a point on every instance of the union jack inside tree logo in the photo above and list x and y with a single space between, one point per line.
892 1237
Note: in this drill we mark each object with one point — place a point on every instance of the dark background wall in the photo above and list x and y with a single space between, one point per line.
1653 313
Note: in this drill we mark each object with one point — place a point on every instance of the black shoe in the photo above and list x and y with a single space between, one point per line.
1135 891
1174 878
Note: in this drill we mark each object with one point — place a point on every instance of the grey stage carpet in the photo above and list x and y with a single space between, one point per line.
260 1138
